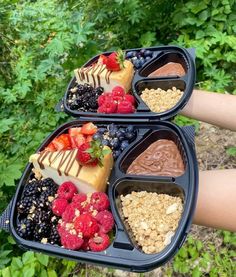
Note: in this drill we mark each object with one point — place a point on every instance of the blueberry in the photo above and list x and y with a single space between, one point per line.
130 54
114 143
102 130
124 144
105 142
147 59
142 51
137 64
130 128
134 59
122 130
130 135
120 135
111 127
142 61
112 133
116 154
148 53
97 136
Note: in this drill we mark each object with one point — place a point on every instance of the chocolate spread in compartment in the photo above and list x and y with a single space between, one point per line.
169 69
160 158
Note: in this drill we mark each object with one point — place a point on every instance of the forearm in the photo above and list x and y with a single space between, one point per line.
216 203
215 108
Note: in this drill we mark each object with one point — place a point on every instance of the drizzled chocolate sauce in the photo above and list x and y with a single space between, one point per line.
66 159
83 74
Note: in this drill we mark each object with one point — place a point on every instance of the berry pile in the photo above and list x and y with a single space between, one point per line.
117 138
116 101
85 219
35 219
139 58
75 138
84 98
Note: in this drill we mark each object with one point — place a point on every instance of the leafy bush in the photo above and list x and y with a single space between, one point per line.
43 41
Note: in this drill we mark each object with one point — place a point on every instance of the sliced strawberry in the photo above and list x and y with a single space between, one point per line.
62 142
78 140
89 138
74 131
102 59
89 129
50 147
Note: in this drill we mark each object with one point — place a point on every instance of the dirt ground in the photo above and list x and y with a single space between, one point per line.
211 144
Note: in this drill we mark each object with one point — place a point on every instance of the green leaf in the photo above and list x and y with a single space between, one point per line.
196 272
6 272
28 272
5 124
28 257
52 273
147 39
231 151
11 173
43 259
16 263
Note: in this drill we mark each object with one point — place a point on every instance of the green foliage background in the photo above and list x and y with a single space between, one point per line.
41 42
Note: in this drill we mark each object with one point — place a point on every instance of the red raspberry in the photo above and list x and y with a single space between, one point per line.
61 228
71 241
130 98
118 91
59 205
99 242
71 212
104 98
109 106
67 190
85 245
87 225
106 221
100 201
125 107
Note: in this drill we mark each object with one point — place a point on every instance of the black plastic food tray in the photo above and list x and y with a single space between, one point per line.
123 252
161 55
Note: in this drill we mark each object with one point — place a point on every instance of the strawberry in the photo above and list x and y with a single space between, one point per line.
92 153
89 129
50 147
125 107
115 61
102 59
77 140
62 142
74 131
130 98
89 138
108 107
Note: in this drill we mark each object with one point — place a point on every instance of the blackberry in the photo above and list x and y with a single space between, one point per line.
54 237
48 182
73 105
42 230
99 90
24 205
54 220
88 88
93 103
42 216
80 90
32 188
25 228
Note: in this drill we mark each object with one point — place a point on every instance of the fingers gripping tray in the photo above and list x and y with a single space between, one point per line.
166 179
